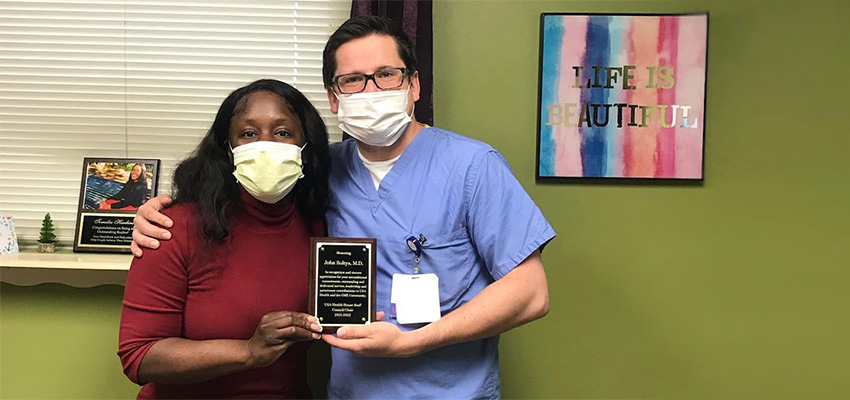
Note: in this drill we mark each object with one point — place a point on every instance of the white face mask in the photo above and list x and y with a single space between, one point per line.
267 170
375 118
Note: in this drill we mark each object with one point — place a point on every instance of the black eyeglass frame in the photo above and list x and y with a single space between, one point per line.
404 73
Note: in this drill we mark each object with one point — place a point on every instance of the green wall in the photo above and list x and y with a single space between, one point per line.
735 288
60 342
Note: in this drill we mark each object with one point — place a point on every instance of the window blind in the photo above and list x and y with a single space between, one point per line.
135 78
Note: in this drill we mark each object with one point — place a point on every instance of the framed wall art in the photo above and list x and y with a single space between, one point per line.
622 96
111 191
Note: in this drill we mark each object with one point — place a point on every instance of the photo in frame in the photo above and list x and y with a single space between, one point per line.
622 96
111 190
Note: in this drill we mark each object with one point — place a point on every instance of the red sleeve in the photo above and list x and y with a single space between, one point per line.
155 294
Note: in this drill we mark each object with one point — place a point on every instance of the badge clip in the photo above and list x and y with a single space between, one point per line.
415 246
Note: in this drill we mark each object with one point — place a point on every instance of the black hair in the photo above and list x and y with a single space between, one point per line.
143 178
360 27
206 177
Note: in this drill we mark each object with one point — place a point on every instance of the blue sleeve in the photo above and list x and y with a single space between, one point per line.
502 219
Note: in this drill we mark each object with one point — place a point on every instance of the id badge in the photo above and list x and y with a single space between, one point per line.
416 298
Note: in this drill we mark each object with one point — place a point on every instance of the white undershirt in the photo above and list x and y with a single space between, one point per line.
378 169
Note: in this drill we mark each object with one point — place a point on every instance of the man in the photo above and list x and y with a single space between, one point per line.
480 234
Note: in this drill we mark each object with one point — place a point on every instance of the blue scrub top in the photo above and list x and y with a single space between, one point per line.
479 224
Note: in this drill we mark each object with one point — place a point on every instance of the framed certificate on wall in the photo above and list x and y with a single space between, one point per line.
111 190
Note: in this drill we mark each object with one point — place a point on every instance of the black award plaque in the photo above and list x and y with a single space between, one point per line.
342 282
111 190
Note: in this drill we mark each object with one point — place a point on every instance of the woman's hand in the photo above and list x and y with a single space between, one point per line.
276 332
102 205
180 361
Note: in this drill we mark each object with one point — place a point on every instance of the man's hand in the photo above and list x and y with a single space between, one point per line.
379 339
145 233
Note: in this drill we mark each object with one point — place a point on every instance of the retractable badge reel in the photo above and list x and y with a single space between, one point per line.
416 297
415 245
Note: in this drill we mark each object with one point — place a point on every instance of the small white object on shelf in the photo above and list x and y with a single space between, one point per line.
8 238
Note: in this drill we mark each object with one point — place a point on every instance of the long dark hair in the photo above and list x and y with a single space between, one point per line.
206 177
143 178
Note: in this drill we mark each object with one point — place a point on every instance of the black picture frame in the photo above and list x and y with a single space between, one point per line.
109 198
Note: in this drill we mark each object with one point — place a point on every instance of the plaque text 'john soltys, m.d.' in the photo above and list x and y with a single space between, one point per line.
343 280
343 283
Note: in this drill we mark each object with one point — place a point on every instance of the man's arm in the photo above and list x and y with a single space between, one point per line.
521 296
145 233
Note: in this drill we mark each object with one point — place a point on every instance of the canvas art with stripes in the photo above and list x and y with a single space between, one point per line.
622 96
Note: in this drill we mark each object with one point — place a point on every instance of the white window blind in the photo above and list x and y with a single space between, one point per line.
135 78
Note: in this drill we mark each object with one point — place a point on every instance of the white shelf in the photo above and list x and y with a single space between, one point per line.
64 266
66 259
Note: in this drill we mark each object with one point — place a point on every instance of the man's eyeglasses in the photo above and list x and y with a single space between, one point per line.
387 78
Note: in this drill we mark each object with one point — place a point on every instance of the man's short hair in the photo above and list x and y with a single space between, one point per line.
360 27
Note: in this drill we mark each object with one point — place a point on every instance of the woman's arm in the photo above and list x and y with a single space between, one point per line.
121 193
150 345
183 361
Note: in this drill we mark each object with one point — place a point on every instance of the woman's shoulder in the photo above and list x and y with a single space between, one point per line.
181 209
183 214
184 232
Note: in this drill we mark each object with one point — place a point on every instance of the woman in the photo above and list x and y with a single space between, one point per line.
202 315
132 195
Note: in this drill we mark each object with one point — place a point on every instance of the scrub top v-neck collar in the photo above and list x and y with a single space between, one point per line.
364 178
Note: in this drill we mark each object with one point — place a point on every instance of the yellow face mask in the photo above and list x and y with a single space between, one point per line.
267 170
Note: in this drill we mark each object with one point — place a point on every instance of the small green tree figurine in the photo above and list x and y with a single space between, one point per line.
46 237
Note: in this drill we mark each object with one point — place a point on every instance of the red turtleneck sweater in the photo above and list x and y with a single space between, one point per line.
186 289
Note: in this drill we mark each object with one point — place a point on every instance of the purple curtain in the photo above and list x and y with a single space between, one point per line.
415 17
